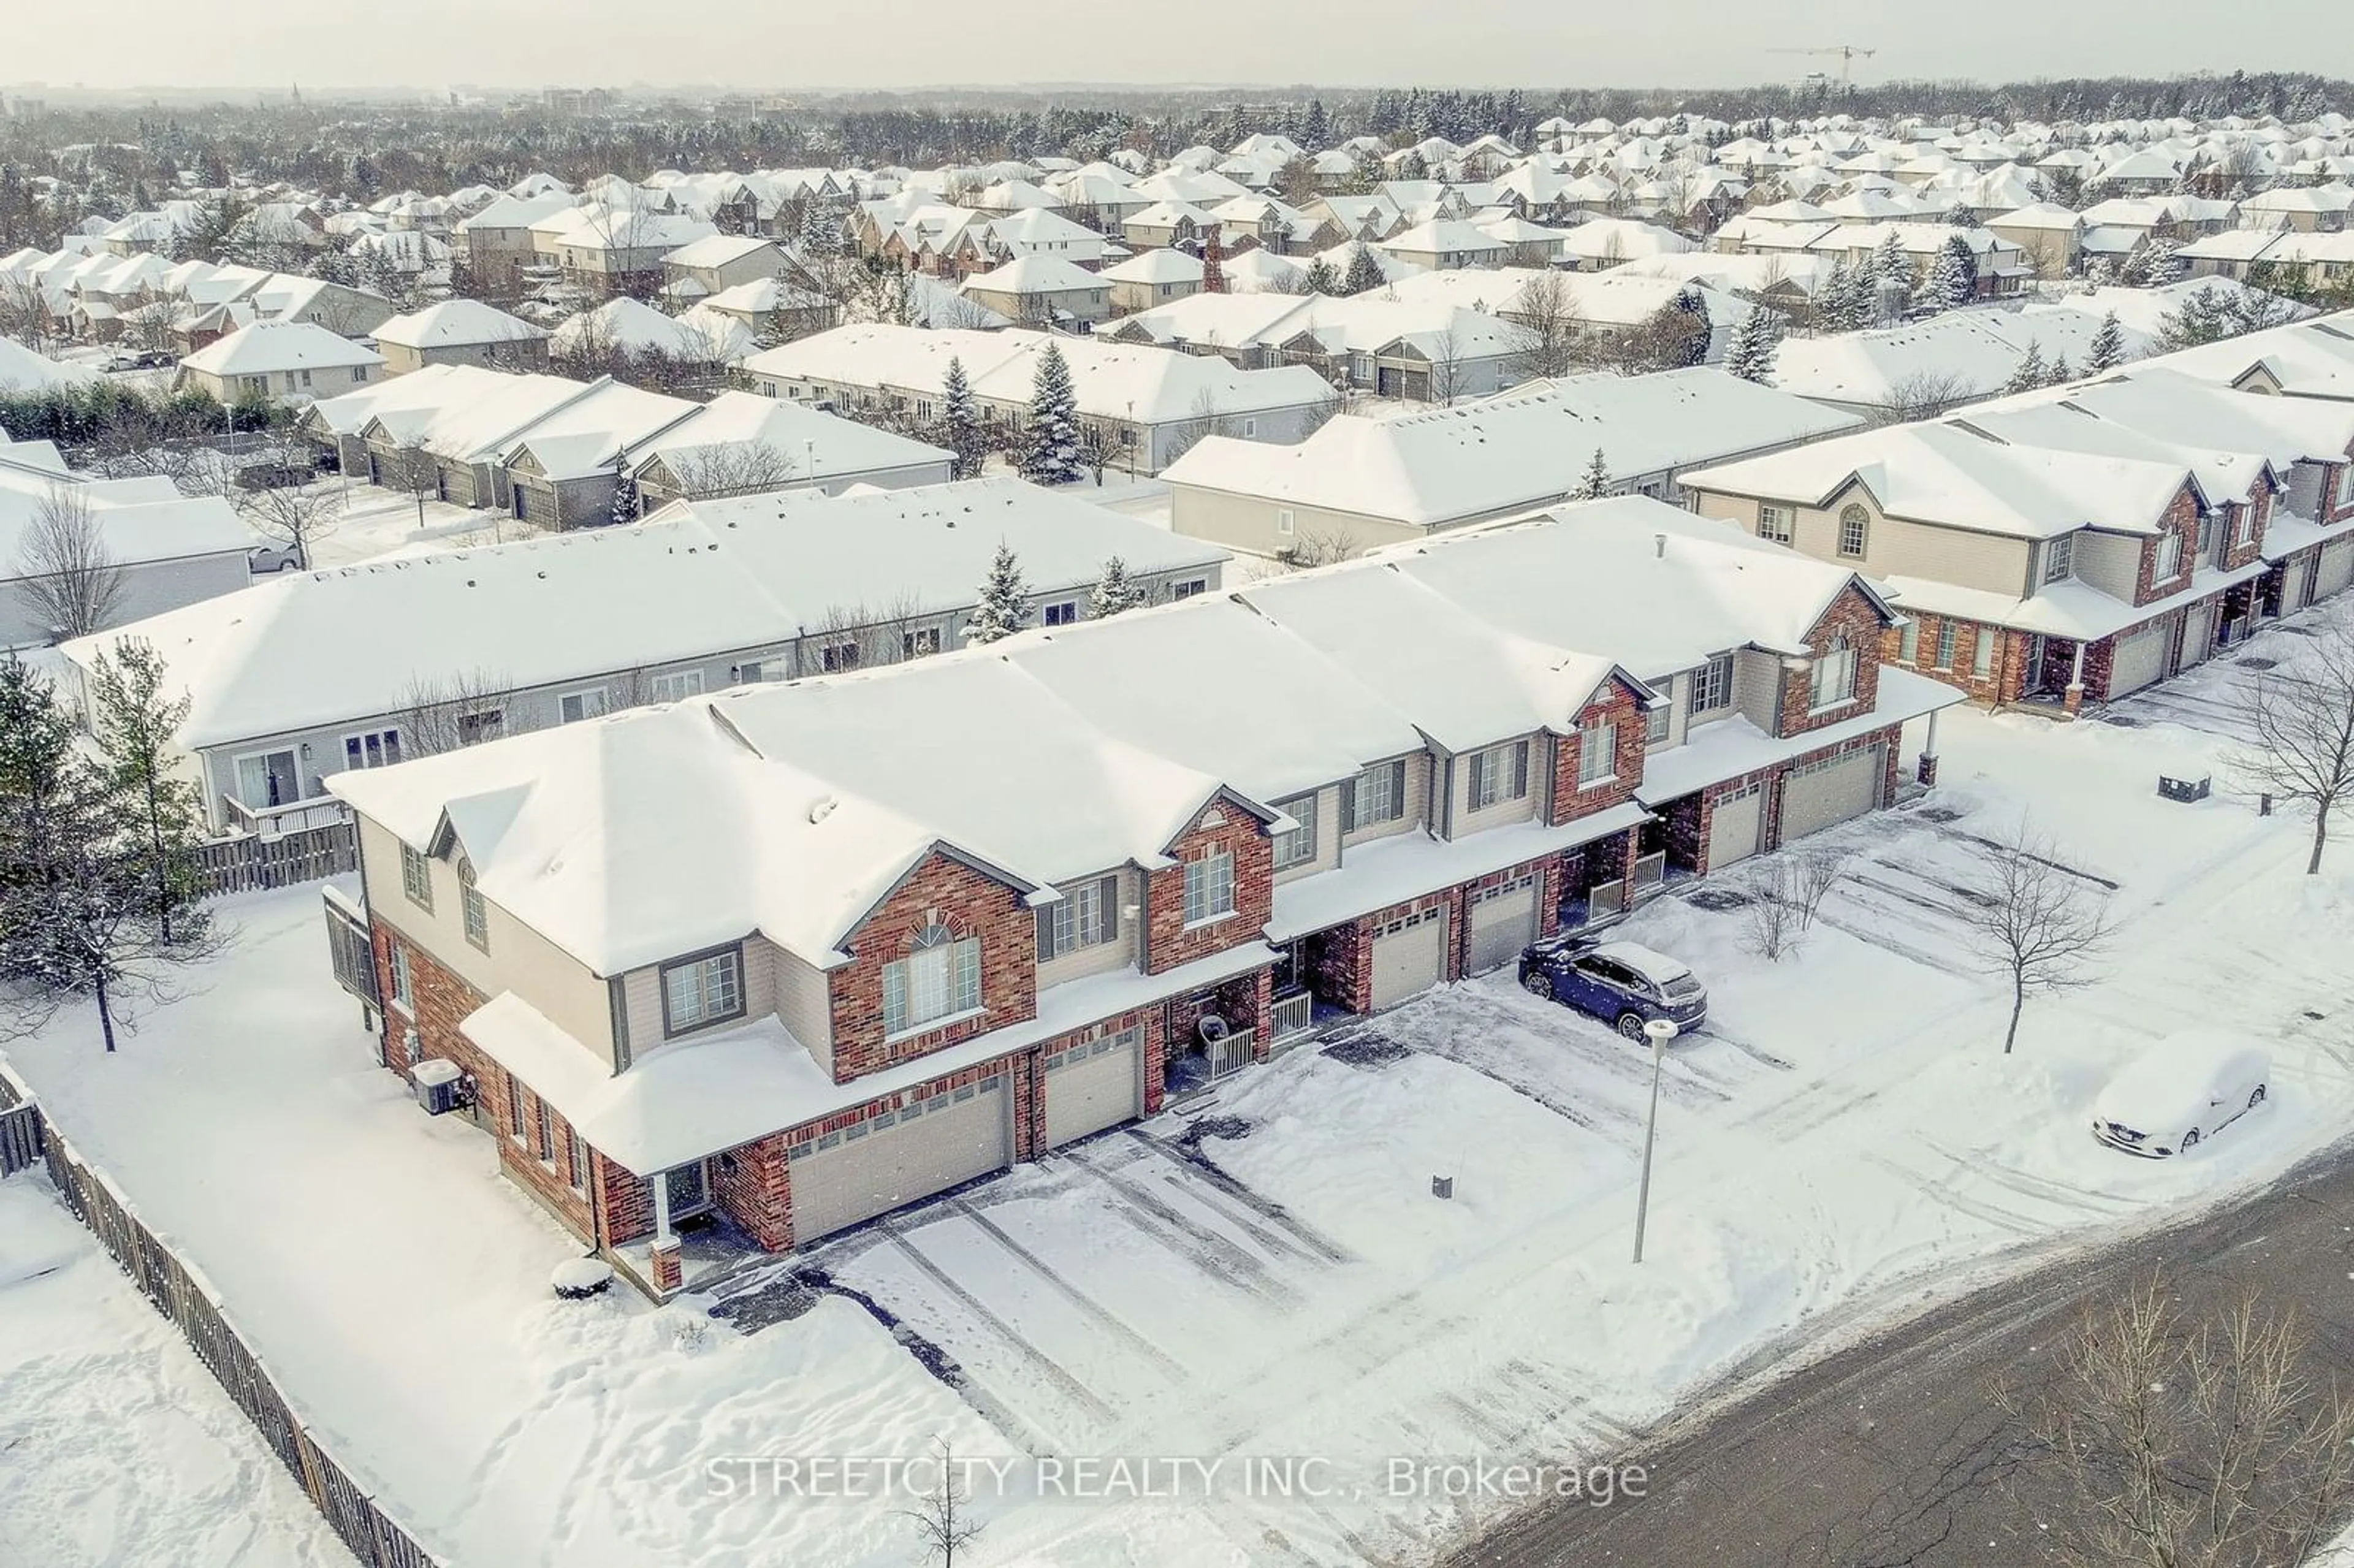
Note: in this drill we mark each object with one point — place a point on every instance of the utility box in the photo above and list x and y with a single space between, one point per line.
435 1084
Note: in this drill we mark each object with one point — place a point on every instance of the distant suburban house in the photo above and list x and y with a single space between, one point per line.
281 361
1151 278
717 262
460 332
498 243
741 443
1042 290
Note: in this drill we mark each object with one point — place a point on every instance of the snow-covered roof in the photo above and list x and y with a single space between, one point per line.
1522 449
269 347
139 520
22 370
1038 273
1156 265
812 447
455 323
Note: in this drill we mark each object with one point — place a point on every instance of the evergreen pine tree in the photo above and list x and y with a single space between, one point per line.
1891 279
2108 348
1755 338
2060 373
1363 272
625 491
1597 481
2031 372
136 722
1953 276
960 424
820 236
1004 607
1320 277
1051 455
1113 592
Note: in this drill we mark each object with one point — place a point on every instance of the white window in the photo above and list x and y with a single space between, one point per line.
1854 531
836 657
1711 685
1189 588
417 877
372 748
575 1158
939 977
751 673
1088 917
574 707
1284 521
2247 528
1061 614
1299 846
486 724
1657 723
1250 430
1982 653
676 687
514 1108
1773 523
1945 643
2170 559
404 983
2060 559
1834 674
546 1135
2206 534
1499 773
1597 754
919 643
1378 795
1209 886
696 992
2345 485
1908 643
475 913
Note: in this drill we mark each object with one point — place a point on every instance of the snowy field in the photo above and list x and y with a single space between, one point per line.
117 1448
1272 1276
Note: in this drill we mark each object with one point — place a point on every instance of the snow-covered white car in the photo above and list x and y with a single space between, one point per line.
2181 1091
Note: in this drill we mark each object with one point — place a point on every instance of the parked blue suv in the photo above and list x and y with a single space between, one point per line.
1623 984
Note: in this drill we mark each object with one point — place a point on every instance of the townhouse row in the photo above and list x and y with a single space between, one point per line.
725 977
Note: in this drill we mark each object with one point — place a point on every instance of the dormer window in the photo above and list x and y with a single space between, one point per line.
1854 533
2060 559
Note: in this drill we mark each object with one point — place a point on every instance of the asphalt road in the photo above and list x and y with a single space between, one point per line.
1894 1452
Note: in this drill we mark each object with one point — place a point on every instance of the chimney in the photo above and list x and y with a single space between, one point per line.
1659 546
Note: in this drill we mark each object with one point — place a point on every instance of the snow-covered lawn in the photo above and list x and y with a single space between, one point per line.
1273 1277
116 1446
375 521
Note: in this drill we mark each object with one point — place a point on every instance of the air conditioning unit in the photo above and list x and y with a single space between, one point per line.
438 1085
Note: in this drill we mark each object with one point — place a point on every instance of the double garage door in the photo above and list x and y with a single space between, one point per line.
1409 955
1504 921
1821 794
1094 1084
2139 658
927 1146
2335 570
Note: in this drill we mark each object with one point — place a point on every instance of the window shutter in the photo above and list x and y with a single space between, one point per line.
1520 770
1348 806
1479 775
1045 934
1108 896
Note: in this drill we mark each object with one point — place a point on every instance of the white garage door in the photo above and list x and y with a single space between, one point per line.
1094 1084
1503 921
2199 633
1409 955
2139 658
2337 569
1733 827
1820 794
924 1147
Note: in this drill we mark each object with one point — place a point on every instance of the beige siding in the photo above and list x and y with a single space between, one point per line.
1757 689
804 1002
1506 809
1679 690
1327 838
2109 562
1249 523
763 964
1104 957
520 959
1417 803
1994 562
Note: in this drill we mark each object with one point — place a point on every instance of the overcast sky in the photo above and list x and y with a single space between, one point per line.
870 43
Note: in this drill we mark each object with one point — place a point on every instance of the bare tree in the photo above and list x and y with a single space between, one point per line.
1448 373
1551 328
412 471
1923 394
2034 922
1320 545
943 1527
2212 1443
729 468
68 576
2302 723
1785 893
294 515
25 314
150 323
1205 420
446 712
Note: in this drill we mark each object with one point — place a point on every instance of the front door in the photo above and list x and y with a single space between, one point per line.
689 1190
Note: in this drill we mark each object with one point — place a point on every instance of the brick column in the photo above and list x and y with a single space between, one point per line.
667 1274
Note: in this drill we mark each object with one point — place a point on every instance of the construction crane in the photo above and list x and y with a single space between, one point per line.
1848 55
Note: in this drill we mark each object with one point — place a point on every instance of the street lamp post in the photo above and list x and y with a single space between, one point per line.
1658 1030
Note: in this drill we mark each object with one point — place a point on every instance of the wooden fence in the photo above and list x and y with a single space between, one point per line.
249 863
20 1138
180 1294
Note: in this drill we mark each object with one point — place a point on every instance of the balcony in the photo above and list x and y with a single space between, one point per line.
277 821
1290 1016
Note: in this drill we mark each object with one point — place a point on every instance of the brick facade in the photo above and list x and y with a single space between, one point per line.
1221 826
2259 501
970 904
1617 705
2181 519
1855 618
2008 676
753 1185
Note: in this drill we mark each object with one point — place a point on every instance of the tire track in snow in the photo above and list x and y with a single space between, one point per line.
1259 1207
1045 1365
1945 1196
1219 1255
1095 1311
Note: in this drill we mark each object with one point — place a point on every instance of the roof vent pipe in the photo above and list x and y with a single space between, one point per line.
1659 546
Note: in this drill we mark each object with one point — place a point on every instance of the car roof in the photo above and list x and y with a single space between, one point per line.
2191 1052
1651 965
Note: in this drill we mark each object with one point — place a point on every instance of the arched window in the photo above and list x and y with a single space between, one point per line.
1854 533
939 977
1834 675
476 913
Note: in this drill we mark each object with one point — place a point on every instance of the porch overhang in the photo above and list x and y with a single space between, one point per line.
1735 747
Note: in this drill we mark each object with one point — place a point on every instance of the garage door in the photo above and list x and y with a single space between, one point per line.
1733 827
1409 954
2199 633
2139 658
1503 921
1820 794
924 1147
1094 1084
2337 569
